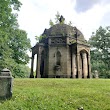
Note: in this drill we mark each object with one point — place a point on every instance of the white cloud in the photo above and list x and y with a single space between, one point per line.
35 15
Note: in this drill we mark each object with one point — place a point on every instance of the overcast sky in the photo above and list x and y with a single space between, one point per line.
86 15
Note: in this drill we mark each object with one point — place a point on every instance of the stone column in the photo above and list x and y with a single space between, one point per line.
38 65
85 66
32 66
80 64
74 65
78 67
89 67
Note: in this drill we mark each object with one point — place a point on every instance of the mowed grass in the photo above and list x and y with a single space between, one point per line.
59 94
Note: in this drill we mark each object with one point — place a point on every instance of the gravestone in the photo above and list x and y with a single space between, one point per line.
5 84
96 74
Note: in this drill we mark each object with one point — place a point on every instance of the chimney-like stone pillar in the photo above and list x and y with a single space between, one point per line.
85 66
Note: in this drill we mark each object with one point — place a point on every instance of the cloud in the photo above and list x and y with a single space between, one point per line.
84 5
34 15
86 15
106 20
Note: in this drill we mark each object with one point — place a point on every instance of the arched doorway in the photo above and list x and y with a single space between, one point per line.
83 63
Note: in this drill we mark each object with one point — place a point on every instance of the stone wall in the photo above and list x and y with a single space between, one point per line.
52 61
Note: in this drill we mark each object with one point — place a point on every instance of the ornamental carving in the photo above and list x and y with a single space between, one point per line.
58 41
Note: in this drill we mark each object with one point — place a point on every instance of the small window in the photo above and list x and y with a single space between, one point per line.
58 58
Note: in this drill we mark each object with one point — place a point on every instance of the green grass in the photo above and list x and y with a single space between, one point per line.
59 94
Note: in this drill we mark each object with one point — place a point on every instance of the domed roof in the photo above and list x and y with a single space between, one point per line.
63 30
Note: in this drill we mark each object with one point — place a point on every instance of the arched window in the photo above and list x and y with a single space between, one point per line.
58 58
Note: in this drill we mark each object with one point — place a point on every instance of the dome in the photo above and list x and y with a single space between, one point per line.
63 30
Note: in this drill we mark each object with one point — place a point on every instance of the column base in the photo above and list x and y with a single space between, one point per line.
31 76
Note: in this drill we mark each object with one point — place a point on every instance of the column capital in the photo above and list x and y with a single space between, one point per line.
31 76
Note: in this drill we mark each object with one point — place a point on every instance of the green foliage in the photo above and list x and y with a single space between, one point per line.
100 51
57 17
19 43
21 71
13 41
70 23
51 23
59 94
57 20
7 18
40 38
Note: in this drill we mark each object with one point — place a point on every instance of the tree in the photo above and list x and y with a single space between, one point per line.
21 70
19 43
7 18
100 51
7 21
13 41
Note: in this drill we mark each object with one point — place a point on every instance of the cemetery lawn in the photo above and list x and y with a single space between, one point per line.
59 94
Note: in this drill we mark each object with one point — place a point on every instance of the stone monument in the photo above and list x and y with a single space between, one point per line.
61 53
5 84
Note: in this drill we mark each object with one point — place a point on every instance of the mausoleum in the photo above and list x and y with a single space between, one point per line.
62 52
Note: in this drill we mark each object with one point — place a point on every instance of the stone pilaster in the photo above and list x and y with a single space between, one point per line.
85 66
78 67
74 65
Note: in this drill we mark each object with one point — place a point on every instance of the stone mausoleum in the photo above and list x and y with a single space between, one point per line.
61 53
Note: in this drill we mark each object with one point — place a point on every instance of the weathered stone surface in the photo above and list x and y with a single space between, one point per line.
5 84
62 53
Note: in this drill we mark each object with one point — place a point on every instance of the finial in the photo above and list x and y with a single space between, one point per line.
61 19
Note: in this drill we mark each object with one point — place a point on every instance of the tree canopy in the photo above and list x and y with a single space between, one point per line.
100 51
13 41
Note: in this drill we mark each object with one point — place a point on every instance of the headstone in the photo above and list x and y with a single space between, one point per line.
96 74
5 84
